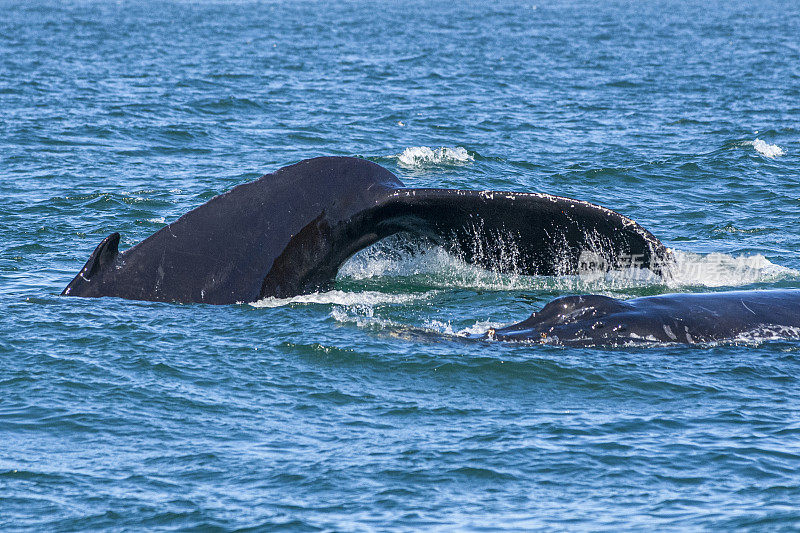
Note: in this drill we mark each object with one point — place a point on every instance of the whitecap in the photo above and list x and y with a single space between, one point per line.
423 156
766 149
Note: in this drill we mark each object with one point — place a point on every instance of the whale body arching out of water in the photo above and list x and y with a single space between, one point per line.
287 233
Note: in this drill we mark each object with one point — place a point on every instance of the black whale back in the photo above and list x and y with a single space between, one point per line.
688 318
288 233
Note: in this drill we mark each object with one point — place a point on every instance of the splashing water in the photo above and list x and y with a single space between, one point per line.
433 266
422 156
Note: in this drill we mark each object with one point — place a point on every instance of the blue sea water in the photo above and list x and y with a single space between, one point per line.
364 408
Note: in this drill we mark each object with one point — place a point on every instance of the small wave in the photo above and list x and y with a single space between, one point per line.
365 317
361 316
730 228
337 297
422 156
767 150
217 106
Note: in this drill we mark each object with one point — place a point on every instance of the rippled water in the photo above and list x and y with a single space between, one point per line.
363 407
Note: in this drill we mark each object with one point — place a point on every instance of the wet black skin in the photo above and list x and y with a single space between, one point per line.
287 233
593 320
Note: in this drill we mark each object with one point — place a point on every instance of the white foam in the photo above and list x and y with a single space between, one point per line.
723 270
422 156
446 328
765 149
336 297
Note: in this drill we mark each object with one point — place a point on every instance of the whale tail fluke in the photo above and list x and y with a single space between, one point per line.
288 233
524 233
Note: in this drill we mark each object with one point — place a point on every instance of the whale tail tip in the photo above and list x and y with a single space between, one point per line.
104 255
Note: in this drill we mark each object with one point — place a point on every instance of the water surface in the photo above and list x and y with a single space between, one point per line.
362 408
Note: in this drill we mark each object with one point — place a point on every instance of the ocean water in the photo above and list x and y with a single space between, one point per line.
364 408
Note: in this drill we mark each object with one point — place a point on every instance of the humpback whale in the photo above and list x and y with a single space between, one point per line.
689 318
288 232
